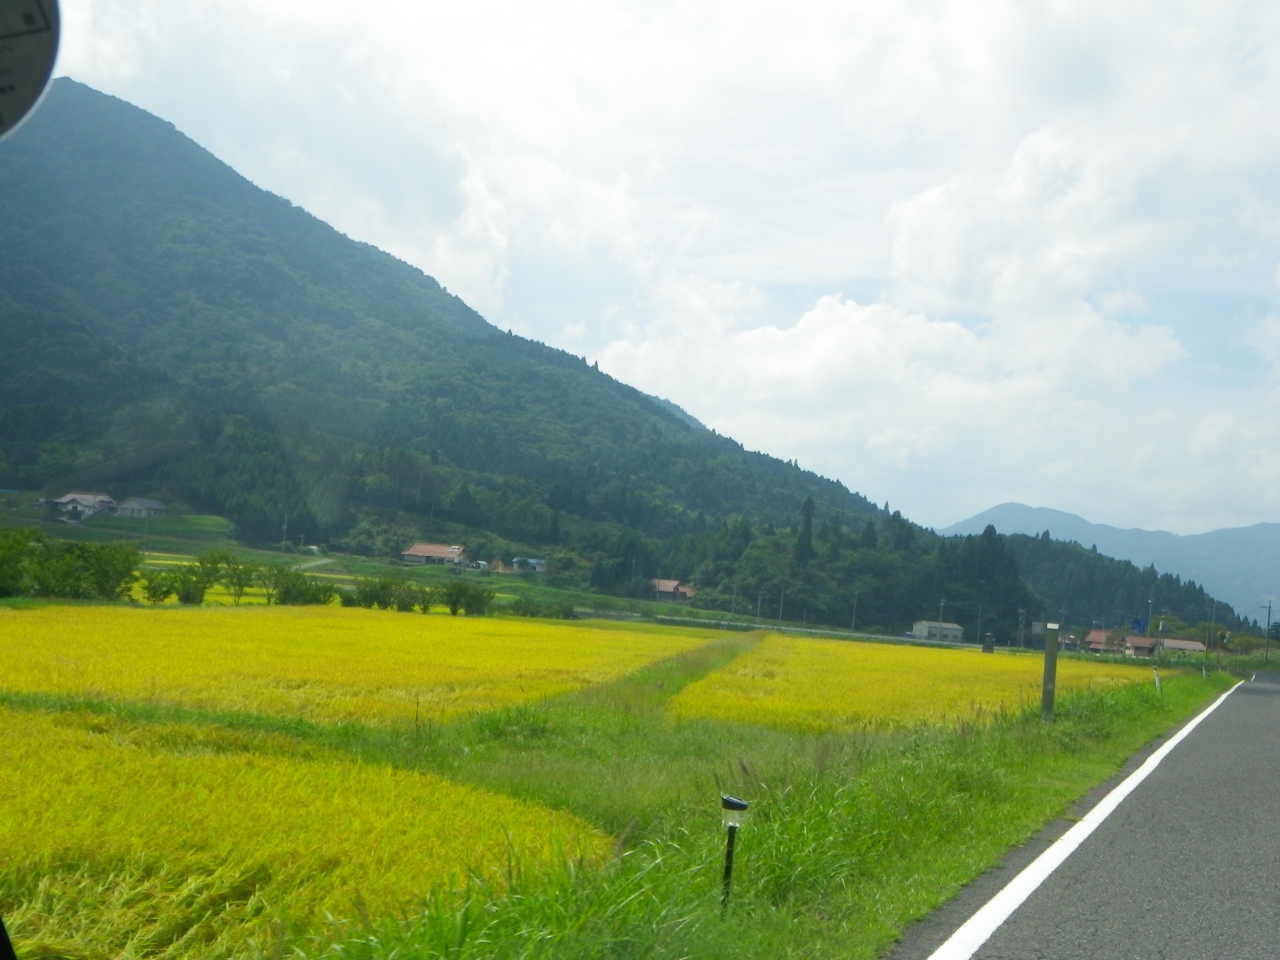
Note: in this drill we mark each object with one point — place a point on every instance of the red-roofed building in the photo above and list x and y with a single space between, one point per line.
434 553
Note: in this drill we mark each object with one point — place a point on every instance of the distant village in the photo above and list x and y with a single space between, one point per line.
78 506
454 555
1112 642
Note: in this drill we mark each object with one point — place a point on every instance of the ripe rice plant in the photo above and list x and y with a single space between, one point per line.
816 685
224 837
321 664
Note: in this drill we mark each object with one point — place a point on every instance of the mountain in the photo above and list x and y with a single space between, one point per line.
1240 565
169 327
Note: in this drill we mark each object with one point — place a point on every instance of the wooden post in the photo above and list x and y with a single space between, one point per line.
1050 671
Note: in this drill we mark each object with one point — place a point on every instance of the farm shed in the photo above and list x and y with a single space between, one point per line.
672 590
937 630
437 553
142 508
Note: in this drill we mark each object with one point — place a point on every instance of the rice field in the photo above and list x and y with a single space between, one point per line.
519 825
816 685
323 664
87 798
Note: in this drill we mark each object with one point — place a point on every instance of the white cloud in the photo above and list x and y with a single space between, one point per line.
1264 337
1003 189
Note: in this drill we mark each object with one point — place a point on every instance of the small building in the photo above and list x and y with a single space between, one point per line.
1141 646
529 565
77 506
434 553
141 508
1100 641
1183 647
937 630
672 590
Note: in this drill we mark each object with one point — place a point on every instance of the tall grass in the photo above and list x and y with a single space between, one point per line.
850 838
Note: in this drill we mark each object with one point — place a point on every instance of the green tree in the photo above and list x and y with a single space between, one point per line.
296 588
868 540
477 600
157 586
454 595
238 576
271 577
17 547
191 581
803 551
112 569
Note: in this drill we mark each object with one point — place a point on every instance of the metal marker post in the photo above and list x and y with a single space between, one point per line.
6 947
732 809
1050 671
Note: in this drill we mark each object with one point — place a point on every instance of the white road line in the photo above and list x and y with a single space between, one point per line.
964 943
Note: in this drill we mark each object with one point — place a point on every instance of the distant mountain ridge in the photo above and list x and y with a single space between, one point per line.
1241 565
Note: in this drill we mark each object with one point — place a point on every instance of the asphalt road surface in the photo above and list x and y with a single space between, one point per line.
1187 867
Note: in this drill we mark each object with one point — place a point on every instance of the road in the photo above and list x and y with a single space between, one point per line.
1187 867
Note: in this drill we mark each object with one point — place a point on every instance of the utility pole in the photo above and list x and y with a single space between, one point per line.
941 603
1022 621
1266 656
853 624
979 622
1050 671
1150 603
781 596
1213 614
284 531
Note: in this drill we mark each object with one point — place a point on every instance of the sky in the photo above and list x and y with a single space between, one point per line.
950 253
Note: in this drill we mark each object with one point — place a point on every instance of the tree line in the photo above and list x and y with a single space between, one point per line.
35 565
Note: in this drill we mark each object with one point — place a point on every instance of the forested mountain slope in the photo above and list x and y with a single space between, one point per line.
1236 563
1087 587
168 325
168 328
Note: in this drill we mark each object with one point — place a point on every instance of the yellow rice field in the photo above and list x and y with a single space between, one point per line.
813 685
320 833
323 664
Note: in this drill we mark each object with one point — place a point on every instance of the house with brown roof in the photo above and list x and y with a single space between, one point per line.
435 553
1101 641
1141 646
672 590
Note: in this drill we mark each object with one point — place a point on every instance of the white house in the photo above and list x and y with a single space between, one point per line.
81 505
935 630
141 508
